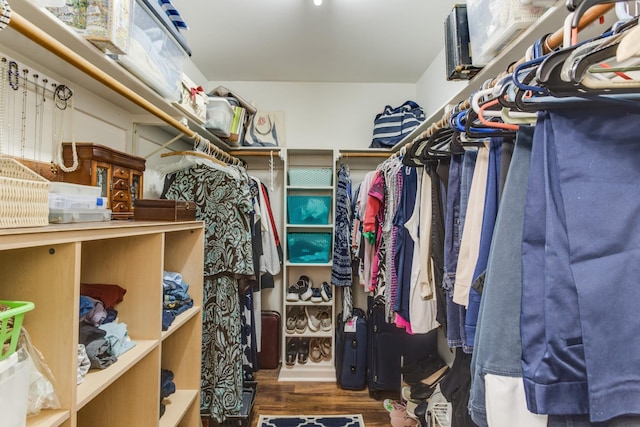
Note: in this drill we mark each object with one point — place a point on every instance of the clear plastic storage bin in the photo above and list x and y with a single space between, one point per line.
219 116
309 247
495 23
14 389
308 210
155 57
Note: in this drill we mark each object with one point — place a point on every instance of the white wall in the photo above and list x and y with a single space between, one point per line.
324 115
433 89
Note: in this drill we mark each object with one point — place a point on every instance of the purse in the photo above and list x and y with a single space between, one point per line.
393 124
261 131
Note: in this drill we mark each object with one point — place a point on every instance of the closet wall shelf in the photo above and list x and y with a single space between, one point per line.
548 23
176 403
310 226
181 320
90 68
307 188
49 418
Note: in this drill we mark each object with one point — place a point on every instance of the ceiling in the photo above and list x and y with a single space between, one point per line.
369 41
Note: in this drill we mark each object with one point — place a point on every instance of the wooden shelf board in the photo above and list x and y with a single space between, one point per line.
309 187
181 320
69 233
328 226
98 380
311 304
308 334
48 418
321 372
177 405
309 264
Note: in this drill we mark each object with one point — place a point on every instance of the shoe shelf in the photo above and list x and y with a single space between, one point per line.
308 300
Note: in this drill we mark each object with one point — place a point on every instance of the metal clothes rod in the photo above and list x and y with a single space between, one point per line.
26 28
552 42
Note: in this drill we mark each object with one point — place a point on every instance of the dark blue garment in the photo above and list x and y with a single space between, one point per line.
553 364
456 334
597 157
341 267
498 346
404 243
491 201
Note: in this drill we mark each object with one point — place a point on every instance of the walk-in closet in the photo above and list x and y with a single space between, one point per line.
328 213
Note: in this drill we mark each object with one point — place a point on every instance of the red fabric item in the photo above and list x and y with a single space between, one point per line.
110 295
273 224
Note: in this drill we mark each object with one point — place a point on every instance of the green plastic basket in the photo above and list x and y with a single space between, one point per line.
10 334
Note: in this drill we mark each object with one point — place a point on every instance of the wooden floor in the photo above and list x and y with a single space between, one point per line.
317 398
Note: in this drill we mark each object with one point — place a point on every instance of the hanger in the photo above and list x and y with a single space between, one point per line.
193 157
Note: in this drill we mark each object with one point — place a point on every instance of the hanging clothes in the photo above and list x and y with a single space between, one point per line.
223 202
341 267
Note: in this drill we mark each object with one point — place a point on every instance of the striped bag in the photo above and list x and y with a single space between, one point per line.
393 124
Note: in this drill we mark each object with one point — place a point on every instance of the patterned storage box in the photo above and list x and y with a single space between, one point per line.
308 209
310 177
309 247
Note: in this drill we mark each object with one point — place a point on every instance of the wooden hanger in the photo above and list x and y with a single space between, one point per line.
196 154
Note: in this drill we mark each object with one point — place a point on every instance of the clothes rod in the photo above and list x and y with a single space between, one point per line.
26 28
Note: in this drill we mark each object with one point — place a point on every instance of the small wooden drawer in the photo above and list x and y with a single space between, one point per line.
120 184
120 196
120 173
120 206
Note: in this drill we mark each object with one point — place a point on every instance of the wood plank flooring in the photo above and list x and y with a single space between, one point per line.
315 398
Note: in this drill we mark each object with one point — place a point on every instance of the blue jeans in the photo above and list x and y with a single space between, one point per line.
460 175
488 221
497 346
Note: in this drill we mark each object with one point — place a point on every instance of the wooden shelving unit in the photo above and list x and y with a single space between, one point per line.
46 266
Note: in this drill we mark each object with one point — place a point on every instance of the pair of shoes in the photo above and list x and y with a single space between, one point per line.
320 349
322 293
301 290
390 405
319 318
297 349
296 320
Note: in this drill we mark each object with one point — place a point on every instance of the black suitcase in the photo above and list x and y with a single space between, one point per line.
351 351
389 348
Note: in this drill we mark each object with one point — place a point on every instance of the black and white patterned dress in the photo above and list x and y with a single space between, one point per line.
223 203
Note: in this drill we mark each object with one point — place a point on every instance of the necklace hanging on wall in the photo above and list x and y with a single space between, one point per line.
62 98
23 123
3 100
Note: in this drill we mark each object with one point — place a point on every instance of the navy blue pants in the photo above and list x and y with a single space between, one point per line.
580 253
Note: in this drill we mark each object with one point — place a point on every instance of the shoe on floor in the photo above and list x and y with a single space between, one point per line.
400 418
304 288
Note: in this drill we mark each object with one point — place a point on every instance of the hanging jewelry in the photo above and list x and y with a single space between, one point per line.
63 96
54 132
14 75
39 113
3 99
23 128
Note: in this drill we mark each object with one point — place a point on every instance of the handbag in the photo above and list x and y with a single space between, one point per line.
393 124
261 131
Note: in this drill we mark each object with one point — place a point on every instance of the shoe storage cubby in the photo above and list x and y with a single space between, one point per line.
308 313
47 265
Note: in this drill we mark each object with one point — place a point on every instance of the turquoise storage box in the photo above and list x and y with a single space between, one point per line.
310 177
308 210
309 247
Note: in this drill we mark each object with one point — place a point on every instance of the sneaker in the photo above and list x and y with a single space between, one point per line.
304 288
325 292
293 293
313 320
301 322
324 316
316 295
290 321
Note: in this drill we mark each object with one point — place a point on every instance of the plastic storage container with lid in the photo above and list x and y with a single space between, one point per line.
155 55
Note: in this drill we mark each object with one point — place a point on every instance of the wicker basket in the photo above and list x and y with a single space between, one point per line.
24 196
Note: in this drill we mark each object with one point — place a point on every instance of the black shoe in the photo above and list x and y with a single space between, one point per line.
303 350
419 364
292 351
421 413
423 390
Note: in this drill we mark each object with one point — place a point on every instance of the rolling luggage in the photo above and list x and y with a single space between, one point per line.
269 354
351 351
389 347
